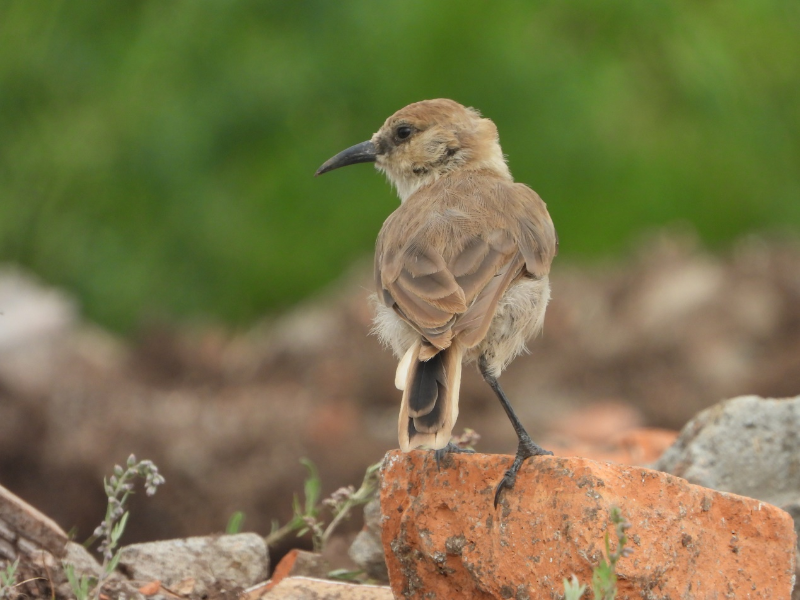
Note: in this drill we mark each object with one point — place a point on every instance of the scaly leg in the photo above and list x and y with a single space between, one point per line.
526 448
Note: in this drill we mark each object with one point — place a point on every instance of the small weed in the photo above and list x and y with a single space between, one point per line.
80 585
604 576
307 515
118 489
345 575
235 523
8 580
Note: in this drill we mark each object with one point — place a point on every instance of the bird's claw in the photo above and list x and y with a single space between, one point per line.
526 449
507 482
451 448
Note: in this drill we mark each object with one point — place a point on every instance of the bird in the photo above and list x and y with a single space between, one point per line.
461 268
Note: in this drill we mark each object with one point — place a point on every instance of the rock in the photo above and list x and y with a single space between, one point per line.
747 445
31 311
305 588
367 549
298 563
198 564
33 319
444 539
27 528
82 560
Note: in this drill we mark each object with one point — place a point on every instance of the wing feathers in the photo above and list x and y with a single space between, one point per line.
445 275
470 258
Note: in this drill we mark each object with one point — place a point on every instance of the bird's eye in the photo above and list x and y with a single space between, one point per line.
403 132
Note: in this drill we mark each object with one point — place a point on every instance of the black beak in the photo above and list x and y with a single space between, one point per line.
363 152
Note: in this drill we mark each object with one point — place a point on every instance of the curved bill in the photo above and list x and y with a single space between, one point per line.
363 152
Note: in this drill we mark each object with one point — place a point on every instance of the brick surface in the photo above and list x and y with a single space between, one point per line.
444 539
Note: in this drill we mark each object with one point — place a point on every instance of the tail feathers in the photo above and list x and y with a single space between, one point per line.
428 383
429 407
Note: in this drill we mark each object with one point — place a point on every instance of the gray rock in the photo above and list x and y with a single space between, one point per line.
31 529
367 549
33 320
194 566
31 310
7 551
748 445
82 560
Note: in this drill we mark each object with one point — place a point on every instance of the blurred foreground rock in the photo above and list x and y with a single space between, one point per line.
23 529
305 588
197 566
748 446
367 549
212 567
444 539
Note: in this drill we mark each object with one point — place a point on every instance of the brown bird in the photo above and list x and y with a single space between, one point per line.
461 267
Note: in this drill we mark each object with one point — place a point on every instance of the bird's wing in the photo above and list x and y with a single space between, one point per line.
535 233
415 280
444 271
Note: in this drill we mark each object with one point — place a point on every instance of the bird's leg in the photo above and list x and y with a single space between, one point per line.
451 448
526 448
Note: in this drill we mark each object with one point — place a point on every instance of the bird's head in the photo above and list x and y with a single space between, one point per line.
424 141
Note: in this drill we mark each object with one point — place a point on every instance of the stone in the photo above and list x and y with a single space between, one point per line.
6 532
443 537
27 522
207 563
32 311
306 588
82 560
7 551
298 563
747 445
367 549
35 318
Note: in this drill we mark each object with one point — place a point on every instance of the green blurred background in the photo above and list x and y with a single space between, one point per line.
156 158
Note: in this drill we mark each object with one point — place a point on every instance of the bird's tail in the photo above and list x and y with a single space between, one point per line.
430 387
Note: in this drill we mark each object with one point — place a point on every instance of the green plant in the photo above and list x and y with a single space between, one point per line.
235 523
118 489
79 585
307 515
604 576
345 574
8 579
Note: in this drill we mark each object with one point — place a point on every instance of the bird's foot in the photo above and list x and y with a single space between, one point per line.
527 448
451 448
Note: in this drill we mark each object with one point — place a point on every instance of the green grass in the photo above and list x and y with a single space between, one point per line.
157 158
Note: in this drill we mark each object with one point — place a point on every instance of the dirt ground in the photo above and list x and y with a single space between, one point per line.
227 415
